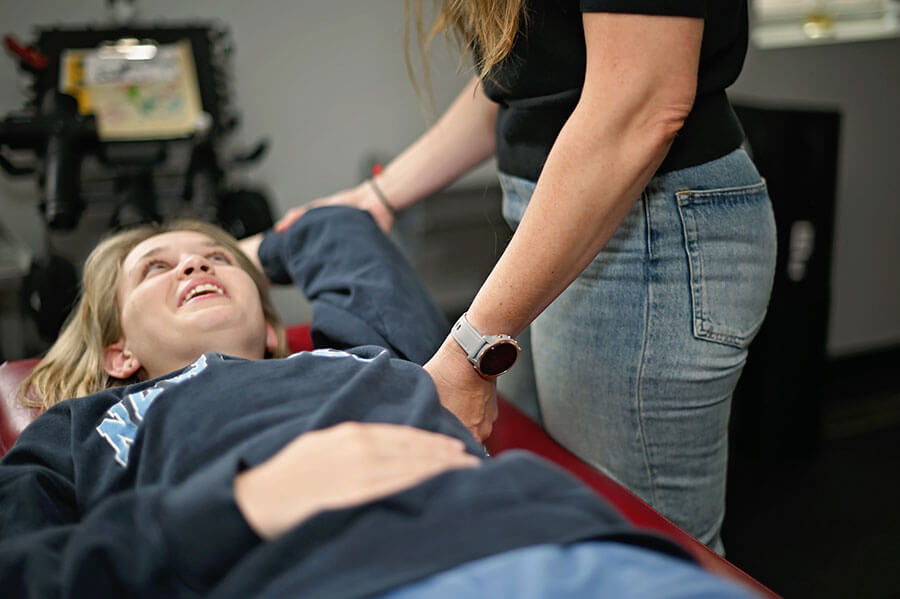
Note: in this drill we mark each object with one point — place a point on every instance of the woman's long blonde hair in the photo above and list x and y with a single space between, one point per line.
483 28
73 366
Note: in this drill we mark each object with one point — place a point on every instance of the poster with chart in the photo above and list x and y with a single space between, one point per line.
136 90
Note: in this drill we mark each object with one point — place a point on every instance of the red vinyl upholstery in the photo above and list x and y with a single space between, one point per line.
13 416
513 430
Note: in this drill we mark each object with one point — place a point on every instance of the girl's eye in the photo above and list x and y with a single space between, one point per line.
154 266
219 257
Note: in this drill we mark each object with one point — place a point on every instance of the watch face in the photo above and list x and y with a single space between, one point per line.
498 358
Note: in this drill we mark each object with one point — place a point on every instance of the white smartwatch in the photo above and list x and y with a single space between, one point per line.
491 355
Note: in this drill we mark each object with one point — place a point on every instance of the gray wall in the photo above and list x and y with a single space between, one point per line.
326 82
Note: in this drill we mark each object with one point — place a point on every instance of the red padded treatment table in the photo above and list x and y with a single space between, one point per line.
513 430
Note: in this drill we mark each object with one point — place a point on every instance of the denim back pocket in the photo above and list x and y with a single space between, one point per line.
729 236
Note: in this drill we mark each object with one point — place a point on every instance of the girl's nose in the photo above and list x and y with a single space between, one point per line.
195 264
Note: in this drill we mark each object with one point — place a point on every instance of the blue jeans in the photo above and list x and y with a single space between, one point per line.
596 569
632 368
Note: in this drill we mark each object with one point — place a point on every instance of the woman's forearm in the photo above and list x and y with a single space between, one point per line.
634 102
585 191
461 139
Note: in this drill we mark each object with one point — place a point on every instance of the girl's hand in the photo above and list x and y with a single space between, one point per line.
250 246
342 466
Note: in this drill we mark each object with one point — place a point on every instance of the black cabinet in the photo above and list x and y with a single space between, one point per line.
778 401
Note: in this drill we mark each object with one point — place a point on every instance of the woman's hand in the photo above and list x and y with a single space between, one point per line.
462 390
342 466
362 196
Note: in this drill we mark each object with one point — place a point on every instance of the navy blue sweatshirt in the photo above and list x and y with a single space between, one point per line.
128 492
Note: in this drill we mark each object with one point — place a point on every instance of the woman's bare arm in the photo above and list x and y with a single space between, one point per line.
460 140
639 87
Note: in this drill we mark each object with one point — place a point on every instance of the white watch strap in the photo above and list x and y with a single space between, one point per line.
468 338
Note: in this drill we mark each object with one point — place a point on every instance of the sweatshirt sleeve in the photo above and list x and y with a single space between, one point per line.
362 289
154 541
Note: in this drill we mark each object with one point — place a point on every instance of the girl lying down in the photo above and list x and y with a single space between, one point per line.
184 453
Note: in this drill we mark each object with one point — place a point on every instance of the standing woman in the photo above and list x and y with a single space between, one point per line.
644 245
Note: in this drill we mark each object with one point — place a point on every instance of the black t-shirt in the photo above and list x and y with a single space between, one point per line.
539 84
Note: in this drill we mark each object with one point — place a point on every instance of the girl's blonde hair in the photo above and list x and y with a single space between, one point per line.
73 366
483 28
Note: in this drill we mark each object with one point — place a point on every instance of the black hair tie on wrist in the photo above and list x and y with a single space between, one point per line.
382 198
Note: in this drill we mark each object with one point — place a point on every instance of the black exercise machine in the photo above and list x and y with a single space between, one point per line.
132 118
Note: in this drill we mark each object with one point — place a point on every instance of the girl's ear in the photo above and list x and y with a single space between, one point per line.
119 362
271 339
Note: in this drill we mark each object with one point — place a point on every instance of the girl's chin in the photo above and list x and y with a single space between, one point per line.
224 325
212 313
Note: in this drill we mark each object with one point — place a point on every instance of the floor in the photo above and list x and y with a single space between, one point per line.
827 525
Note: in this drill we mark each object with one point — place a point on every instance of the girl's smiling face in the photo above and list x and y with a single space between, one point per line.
181 294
